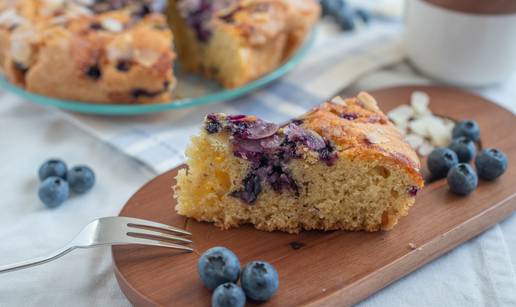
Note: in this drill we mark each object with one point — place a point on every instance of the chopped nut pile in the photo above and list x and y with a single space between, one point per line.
422 129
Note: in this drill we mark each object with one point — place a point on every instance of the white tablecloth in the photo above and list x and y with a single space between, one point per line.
481 272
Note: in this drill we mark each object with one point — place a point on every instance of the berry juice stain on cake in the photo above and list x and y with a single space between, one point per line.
269 148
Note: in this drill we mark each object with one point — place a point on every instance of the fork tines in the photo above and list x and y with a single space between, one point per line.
157 234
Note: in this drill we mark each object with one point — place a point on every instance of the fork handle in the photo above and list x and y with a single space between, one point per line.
35 261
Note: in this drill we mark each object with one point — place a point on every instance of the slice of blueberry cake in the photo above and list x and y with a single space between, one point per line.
342 165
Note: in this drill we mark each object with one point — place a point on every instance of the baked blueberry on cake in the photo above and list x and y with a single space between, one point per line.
343 165
122 51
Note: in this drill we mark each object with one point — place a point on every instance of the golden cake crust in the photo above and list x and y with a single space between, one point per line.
360 130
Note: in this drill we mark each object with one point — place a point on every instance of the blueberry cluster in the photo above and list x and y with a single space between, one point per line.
219 270
345 15
269 148
452 162
57 181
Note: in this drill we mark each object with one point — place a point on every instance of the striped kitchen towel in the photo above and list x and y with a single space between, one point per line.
334 62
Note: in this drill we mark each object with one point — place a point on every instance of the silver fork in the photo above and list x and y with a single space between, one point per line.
114 231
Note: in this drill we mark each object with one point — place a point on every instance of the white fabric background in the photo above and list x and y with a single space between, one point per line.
481 272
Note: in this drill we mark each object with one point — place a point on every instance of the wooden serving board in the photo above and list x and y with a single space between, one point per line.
328 268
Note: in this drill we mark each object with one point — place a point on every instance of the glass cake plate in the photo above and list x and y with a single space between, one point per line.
195 91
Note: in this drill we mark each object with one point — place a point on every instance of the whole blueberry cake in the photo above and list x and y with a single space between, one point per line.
122 51
343 165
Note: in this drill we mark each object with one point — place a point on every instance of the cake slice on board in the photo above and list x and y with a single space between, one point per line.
342 165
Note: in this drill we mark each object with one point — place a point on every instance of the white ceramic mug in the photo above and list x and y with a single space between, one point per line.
462 46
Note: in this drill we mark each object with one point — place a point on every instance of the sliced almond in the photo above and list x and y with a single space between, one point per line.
338 100
20 47
85 2
146 57
50 7
112 25
376 138
401 114
9 18
440 136
425 149
368 101
449 124
419 102
414 140
74 11
402 127
121 48
59 20
421 126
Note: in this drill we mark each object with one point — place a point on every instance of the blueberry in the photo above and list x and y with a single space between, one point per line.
52 167
22 68
94 72
413 190
123 65
53 191
491 163
97 26
467 128
228 295
440 161
218 265
213 127
346 19
252 187
464 148
342 13
328 154
364 15
81 179
140 92
330 7
462 179
259 280
212 124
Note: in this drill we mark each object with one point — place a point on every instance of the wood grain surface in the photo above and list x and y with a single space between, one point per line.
328 268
